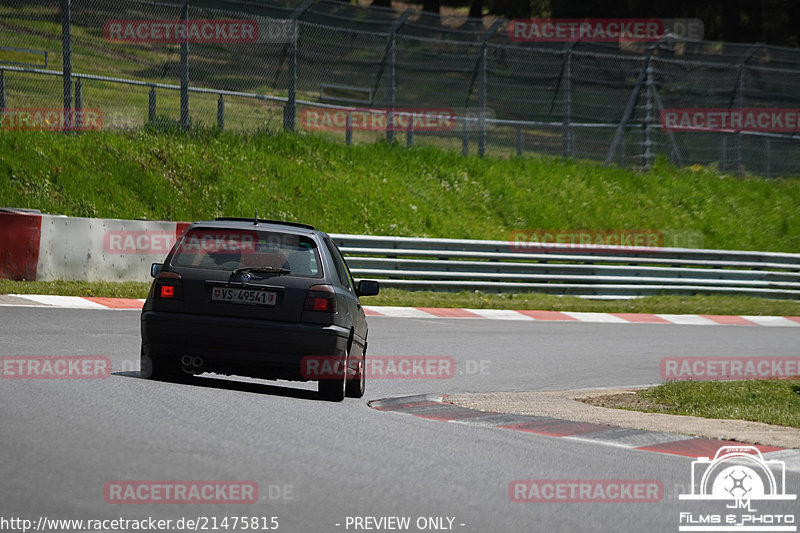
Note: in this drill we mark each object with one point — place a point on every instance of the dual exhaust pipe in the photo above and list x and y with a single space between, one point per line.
193 364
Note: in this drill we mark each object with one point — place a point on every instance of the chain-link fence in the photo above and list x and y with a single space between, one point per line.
362 74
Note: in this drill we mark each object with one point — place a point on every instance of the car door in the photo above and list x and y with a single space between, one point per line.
345 281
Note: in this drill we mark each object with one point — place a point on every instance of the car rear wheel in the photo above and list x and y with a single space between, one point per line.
355 387
333 389
160 369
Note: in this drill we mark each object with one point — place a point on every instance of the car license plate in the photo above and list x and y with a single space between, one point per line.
243 296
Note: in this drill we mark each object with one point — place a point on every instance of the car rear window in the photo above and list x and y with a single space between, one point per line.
229 249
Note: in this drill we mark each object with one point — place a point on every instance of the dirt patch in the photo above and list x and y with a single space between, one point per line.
624 400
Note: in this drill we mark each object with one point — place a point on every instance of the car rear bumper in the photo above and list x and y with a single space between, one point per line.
257 348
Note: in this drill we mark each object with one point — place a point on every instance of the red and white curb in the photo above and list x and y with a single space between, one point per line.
89 302
71 302
433 407
569 316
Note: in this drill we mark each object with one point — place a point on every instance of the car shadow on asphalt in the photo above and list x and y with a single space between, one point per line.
234 385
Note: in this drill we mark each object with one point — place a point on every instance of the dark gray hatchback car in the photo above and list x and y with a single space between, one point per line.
257 298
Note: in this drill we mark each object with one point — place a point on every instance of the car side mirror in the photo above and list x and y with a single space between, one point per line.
155 268
367 287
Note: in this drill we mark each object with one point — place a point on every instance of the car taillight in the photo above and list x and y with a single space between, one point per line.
169 286
321 298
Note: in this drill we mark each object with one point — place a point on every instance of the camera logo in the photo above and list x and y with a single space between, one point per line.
737 475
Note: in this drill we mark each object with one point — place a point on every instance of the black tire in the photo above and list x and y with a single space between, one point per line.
355 387
333 389
161 369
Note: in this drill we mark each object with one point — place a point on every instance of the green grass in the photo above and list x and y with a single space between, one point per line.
384 190
771 402
103 289
718 305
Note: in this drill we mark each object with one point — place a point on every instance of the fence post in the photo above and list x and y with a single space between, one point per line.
221 113
647 155
151 105
464 137
567 100
769 155
670 134
185 70
2 91
724 154
739 96
78 104
66 54
290 109
482 104
391 86
626 115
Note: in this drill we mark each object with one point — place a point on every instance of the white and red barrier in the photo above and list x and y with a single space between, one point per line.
41 247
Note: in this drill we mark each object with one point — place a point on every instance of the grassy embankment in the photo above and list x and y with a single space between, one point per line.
388 190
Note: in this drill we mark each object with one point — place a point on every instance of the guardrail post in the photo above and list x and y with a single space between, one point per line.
348 132
151 105
78 104
221 113
66 55
410 133
519 141
185 70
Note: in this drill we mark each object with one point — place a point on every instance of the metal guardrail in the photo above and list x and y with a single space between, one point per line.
588 270
23 51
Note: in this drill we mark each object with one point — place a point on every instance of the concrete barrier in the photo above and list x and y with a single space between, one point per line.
41 247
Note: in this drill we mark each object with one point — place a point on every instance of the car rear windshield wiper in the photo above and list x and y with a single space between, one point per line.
270 269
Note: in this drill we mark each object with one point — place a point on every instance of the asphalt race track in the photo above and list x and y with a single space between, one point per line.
318 466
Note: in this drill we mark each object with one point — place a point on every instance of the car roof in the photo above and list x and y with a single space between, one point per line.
278 226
